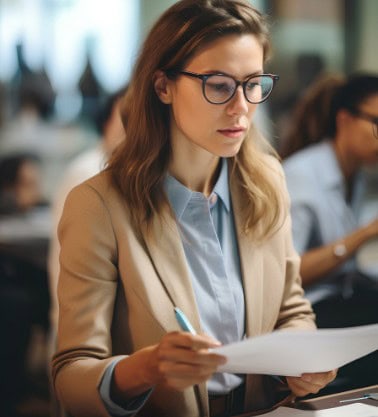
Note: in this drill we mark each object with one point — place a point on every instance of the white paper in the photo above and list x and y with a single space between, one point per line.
293 352
351 410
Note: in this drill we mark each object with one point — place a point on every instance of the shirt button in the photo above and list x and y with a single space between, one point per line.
213 199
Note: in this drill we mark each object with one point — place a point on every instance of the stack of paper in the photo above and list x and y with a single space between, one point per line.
293 352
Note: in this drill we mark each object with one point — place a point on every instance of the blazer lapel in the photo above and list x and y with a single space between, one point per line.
251 264
167 254
252 268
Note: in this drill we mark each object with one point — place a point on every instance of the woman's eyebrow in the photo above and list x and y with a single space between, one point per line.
220 72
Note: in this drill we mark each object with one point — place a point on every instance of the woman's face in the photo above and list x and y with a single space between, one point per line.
199 126
363 144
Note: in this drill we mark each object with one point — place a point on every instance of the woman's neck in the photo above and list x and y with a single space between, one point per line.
197 174
348 164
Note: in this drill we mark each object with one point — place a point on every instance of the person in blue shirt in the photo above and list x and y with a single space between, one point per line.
333 136
191 212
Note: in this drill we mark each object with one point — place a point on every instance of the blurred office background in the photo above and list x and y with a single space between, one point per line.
76 52
67 56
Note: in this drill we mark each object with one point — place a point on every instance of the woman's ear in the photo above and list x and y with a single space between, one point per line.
162 87
343 118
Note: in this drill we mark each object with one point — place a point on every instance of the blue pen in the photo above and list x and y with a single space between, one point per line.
183 321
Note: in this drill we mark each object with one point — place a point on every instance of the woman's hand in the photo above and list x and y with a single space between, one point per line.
372 229
310 383
179 361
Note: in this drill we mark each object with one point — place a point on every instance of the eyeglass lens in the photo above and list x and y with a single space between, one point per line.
220 88
369 118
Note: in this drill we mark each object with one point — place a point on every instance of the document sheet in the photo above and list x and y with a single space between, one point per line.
293 352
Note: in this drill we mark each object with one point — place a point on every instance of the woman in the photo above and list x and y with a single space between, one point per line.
334 134
191 212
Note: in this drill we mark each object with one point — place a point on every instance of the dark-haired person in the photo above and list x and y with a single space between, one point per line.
334 134
191 212
24 300
20 183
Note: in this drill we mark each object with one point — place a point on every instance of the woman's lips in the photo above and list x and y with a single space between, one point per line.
232 132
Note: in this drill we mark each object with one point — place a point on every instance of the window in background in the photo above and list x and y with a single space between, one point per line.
63 37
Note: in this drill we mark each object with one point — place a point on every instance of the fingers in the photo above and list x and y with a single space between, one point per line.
188 348
191 347
310 383
182 359
191 341
194 357
184 371
372 228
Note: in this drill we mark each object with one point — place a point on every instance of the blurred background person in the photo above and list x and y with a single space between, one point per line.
30 125
2 107
111 132
20 183
333 135
24 299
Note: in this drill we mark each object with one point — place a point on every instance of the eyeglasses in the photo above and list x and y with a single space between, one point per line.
220 88
370 118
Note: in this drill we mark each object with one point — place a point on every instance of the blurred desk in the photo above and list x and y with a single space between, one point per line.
24 300
33 251
24 241
333 400
26 237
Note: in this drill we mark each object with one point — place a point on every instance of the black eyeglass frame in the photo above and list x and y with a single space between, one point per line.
368 117
205 77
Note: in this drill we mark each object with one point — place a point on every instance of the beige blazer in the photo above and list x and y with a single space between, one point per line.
117 292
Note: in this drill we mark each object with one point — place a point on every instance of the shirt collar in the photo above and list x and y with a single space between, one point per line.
179 195
221 187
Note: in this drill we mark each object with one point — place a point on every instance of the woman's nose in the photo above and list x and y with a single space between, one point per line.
238 104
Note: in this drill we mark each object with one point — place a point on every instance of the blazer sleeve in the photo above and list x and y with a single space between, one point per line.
86 292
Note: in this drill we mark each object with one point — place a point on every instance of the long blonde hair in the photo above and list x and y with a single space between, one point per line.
140 164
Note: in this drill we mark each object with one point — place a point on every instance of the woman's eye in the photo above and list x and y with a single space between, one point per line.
251 85
220 87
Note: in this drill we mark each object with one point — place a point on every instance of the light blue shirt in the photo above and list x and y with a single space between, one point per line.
209 240
319 210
